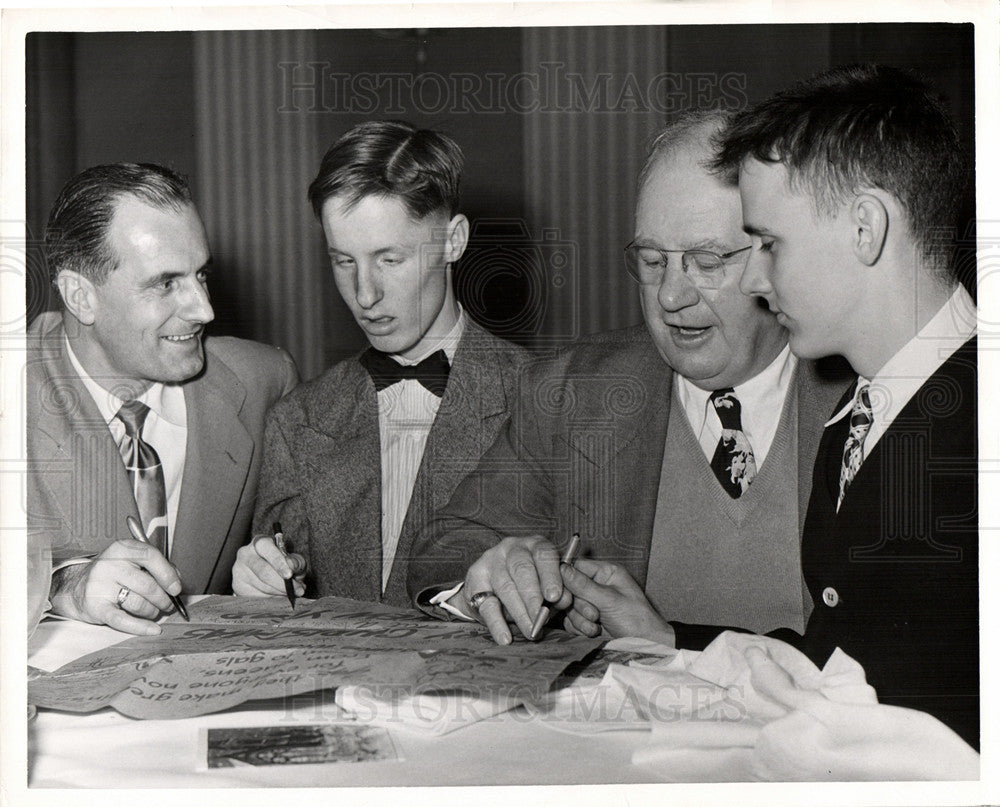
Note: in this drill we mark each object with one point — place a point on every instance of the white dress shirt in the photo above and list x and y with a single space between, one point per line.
165 430
762 399
899 379
406 412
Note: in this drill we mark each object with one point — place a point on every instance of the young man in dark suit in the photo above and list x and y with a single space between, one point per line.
356 461
848 183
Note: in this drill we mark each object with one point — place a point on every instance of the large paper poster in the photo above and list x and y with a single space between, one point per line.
239 649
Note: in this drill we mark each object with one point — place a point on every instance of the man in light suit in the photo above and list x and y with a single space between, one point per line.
132 410
849 182
626 439
356 460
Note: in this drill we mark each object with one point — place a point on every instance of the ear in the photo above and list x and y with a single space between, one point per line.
79 295
870 223
456 239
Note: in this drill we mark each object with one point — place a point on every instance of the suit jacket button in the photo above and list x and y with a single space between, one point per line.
830 596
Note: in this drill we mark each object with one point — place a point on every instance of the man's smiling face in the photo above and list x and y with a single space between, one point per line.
719 337
151 310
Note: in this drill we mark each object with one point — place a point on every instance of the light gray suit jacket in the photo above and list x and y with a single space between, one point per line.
322 477
78 490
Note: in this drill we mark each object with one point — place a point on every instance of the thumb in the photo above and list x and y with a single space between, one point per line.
581 585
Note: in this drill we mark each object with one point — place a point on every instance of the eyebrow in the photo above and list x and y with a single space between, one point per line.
707 245
164 276
382 251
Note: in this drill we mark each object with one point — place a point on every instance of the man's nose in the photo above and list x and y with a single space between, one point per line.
368 289
677 290
197 305
754 280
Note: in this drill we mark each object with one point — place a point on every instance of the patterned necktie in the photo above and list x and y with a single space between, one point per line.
145 473
733 460
385 371
861 422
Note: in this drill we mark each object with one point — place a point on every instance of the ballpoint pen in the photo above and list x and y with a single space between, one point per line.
139 534
279 541
544 612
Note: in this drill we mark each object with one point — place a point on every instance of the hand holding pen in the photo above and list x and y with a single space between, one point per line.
139 534
512 582
265 568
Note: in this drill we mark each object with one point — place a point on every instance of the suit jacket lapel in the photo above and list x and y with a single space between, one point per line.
344 457
816 402
645 434
217 460
636 401
82 464
461 433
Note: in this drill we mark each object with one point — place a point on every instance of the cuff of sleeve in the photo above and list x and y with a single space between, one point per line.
440 600
71 562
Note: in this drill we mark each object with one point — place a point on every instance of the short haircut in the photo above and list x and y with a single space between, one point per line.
76 233
696 127
420 167
855 127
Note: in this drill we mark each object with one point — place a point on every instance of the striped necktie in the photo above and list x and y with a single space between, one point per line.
145 474
861 422
733 461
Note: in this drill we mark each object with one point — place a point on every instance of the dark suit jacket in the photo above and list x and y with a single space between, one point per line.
583 453
322 470
903 553
78 490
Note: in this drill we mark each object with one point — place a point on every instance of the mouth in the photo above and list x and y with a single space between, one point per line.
182 338
377 324
688 331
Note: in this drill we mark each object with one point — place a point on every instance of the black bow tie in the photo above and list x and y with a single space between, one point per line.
385 371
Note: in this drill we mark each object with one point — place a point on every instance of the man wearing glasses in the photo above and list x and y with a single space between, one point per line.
681 452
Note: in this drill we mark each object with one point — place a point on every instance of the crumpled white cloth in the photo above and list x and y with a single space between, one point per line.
752 708
764 711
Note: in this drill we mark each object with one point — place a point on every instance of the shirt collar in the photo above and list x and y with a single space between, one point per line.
448 343
895 384
166 400
768 387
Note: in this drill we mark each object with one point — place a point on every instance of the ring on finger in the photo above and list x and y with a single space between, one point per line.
123 593
477 599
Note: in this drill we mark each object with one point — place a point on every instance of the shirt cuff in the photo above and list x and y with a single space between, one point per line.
72 562
441 601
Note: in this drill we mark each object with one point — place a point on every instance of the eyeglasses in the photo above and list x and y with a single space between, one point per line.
707 270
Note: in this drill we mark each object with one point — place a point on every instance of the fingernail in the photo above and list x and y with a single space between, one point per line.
175 589
505 639
552 594
153 630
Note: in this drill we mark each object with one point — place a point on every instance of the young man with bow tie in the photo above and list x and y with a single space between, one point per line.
357 460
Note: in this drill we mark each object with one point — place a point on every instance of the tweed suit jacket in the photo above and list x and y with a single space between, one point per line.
322 474
583 453
78 489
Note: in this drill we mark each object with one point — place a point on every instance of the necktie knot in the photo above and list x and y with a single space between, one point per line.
431 373
733 462
133 415
727 407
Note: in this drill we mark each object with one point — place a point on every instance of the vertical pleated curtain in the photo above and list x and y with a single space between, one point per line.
256 155
581 162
